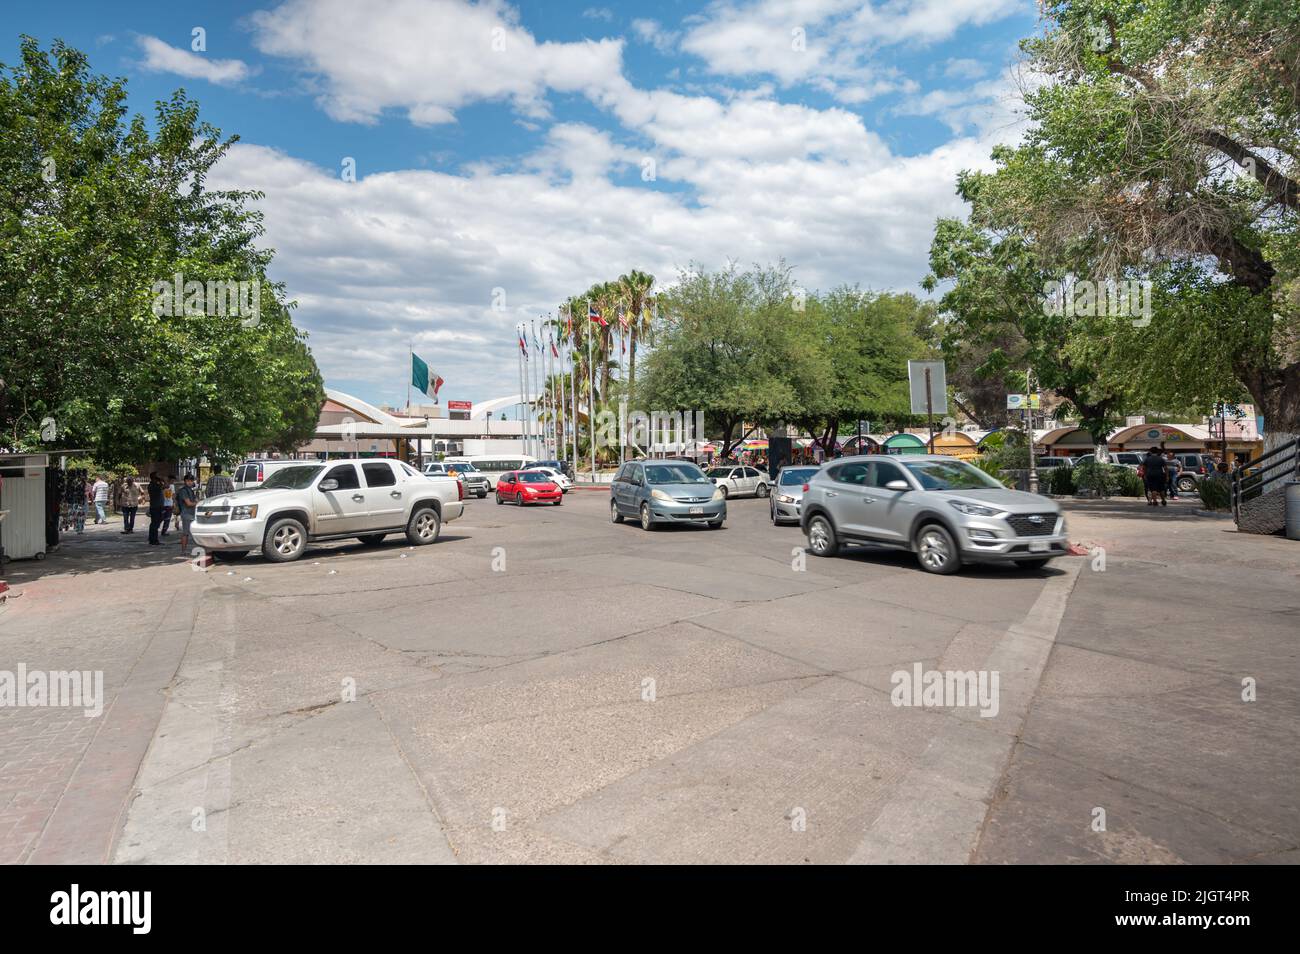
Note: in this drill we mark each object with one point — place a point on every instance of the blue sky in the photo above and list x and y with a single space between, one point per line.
508 155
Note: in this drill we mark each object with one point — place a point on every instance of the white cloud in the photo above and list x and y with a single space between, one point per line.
159 57
428 57
598 13
831 44
415 255
654 33
962 68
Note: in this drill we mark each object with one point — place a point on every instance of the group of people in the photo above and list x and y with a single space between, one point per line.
1159 471
164 501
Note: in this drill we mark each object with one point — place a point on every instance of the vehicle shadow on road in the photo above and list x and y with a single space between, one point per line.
888 556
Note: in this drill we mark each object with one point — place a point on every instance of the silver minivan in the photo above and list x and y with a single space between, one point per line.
942 509
659 492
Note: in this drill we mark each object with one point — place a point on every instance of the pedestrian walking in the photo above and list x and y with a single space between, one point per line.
187 502
169 503
218 483
1153 477
1173 470
155 507
128 504
99 497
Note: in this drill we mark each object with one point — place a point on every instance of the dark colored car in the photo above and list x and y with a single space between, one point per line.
528 487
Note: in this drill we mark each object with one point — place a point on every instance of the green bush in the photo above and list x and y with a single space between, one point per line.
1061 481
1129 484
991 467
1105 480
1216 492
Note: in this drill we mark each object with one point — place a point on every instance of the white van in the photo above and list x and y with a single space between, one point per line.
492 466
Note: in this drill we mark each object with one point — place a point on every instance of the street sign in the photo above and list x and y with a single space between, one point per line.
933 400
1019 402
460 405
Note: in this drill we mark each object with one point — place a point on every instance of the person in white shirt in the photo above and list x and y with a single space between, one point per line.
99 493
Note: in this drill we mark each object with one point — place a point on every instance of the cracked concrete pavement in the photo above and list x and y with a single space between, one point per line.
610 695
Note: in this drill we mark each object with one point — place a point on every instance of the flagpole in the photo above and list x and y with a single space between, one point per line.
573 387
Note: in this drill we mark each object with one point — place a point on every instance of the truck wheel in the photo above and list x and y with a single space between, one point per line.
423 527
285 540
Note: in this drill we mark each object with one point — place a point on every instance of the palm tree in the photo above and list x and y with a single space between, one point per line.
605 297
634 289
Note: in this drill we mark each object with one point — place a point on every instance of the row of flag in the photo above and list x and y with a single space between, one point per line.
593 315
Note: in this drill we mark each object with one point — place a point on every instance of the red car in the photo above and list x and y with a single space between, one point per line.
527 487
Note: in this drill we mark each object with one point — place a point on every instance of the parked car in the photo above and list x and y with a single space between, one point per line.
475 482
563 466
310 501
558 476
1195 468
740 481
1050 463
251 473
528 487
788 493
1122 458
944 510
658 492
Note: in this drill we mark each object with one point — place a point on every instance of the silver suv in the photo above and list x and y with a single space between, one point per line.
942 509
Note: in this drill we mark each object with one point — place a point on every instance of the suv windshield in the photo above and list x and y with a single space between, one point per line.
797 475
674 474
950 475
292 478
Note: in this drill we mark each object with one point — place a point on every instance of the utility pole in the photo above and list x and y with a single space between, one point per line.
1029 428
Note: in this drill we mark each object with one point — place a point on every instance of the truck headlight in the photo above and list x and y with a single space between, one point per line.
660 495
244 513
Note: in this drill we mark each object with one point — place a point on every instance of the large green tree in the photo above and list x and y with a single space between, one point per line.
1167 132
96 208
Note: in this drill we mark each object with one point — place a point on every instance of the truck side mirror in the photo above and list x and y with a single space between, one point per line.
328 485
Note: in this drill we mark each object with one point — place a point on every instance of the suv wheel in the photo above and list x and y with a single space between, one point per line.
763 490
285 540
614 515
647 523
936 550
1187 485
423 527
821 537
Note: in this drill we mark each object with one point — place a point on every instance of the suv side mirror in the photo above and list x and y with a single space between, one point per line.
327 485
898 485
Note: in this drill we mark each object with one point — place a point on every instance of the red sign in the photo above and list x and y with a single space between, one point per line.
460 405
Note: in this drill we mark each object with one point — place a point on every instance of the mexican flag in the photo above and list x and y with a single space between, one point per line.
425 381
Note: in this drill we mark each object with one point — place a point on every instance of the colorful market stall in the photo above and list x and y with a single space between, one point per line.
904 443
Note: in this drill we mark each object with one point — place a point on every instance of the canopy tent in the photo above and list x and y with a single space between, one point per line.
904 443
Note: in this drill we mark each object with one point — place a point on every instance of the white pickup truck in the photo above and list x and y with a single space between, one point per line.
366 498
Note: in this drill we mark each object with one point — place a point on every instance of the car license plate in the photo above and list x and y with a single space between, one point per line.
696 510
1037 546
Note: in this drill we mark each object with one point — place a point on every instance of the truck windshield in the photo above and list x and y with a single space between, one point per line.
292 478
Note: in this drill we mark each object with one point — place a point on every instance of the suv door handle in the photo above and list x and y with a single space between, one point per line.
394 493
358 496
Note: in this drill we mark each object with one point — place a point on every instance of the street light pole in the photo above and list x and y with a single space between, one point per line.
1029 428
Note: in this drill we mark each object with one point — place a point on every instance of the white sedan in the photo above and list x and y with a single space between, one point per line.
557 477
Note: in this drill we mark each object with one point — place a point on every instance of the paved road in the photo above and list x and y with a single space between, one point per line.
543 685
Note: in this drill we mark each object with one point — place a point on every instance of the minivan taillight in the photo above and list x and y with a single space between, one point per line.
805 488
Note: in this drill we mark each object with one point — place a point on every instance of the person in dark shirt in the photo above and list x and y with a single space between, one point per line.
1153 476
155 507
